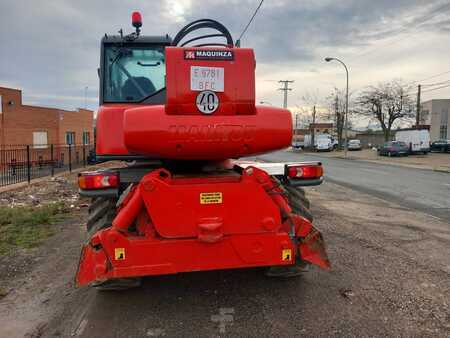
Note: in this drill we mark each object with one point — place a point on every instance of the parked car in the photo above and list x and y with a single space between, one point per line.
394 148
296 145
354 145
441 146
417 140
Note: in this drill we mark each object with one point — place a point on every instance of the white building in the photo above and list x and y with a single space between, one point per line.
435 113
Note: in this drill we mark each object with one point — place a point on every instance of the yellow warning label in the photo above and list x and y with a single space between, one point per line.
119 254
286 254
210 198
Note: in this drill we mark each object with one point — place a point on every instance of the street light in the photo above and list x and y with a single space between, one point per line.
328 59
266 102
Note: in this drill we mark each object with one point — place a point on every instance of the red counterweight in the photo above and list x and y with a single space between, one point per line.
195 137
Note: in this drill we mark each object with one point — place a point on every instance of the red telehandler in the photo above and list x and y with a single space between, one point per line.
180 113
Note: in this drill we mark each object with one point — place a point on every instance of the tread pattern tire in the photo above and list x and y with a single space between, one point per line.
298 201
101 214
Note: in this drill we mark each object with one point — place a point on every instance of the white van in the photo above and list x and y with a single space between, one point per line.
323 144
418 140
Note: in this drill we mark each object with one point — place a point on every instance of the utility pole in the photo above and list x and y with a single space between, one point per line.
418 106
313 131
285 89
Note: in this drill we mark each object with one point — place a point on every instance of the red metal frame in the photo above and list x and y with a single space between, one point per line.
164 227
170 224
178 130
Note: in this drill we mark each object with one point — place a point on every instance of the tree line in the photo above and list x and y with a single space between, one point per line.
386 103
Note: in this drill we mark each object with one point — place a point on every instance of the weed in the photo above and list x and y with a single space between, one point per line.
27 226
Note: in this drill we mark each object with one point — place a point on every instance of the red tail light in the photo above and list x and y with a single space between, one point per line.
98 180
306 171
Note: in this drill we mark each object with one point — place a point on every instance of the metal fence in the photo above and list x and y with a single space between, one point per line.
21 163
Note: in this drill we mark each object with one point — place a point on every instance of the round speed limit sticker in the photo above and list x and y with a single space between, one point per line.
207 102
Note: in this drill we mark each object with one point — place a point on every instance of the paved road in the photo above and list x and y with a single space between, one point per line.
424 190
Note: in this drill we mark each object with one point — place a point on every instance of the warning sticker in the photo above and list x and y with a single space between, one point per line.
210 198
119 254
286 254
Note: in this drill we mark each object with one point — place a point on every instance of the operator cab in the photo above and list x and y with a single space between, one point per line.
133 70
133 67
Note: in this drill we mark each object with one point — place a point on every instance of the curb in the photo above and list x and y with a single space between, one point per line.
404 165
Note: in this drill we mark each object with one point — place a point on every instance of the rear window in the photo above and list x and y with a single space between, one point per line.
133 73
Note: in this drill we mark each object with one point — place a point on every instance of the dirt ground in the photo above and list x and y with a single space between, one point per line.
390 277
432 161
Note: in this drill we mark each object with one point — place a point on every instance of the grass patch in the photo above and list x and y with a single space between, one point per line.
27 226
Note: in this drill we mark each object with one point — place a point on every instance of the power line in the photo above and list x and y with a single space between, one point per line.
436 84
238 41
411 91
421 20
430 90
431 77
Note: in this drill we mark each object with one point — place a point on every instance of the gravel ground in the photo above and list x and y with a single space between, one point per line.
390 277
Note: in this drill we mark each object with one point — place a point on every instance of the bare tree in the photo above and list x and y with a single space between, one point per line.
387 103
311 98
336 111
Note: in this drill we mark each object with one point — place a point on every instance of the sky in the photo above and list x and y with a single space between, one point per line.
50 49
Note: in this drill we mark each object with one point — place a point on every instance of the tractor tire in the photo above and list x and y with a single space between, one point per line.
101 214
300 206
298 202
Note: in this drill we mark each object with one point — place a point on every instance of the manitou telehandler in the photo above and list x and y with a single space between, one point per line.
180 116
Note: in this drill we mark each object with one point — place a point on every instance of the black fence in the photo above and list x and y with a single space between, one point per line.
26 162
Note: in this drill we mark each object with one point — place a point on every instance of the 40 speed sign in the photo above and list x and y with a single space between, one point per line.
207 102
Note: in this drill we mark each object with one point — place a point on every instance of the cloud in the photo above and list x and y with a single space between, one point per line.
51 48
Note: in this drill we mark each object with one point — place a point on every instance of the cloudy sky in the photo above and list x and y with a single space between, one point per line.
50 49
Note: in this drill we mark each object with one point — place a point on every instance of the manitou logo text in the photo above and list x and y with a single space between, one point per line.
212 133
222 55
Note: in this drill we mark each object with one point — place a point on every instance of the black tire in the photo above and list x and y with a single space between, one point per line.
300 206
101 214
298 202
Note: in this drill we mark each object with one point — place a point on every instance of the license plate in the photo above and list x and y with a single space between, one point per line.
207 78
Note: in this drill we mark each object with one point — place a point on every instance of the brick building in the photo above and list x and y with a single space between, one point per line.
321 128
40 126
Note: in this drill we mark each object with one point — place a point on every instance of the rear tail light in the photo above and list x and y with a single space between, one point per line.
306 171
98 180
